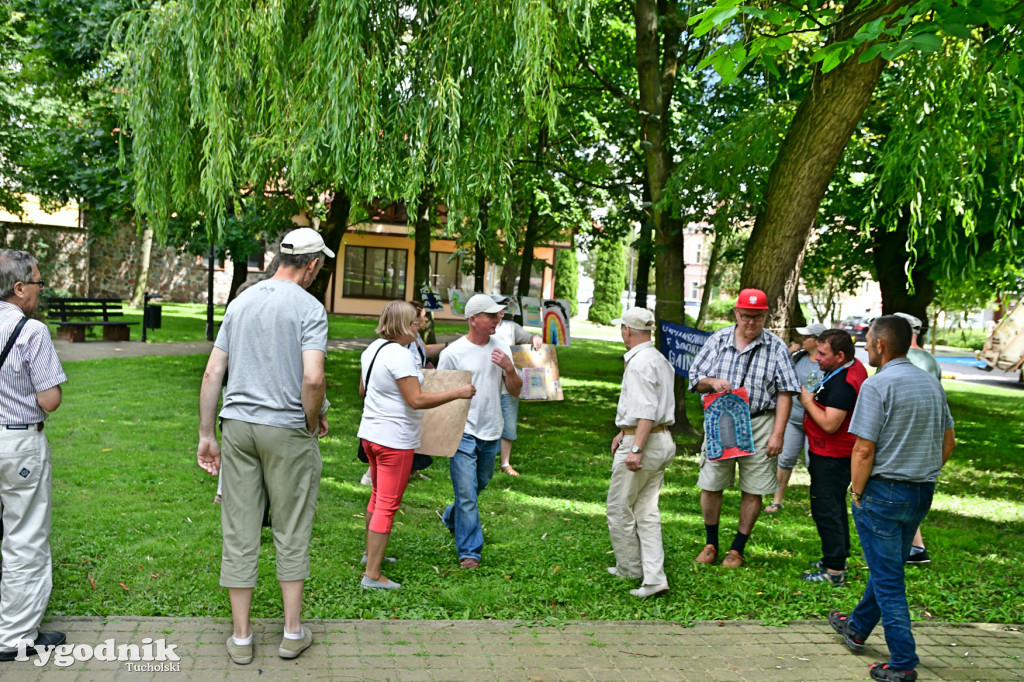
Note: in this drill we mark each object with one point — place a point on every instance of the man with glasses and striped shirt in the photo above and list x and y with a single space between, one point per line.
30 379
747 355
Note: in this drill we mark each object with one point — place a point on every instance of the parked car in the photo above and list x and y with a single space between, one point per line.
856 327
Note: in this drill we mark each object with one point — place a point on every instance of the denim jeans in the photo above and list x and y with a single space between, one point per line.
471 470
886 521
830 479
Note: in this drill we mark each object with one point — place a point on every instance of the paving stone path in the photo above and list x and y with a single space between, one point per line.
421 650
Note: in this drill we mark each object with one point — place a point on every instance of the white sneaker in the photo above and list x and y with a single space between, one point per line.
645 591
366 480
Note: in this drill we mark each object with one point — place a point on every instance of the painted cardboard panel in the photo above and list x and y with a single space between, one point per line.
556 322
531 311
541 380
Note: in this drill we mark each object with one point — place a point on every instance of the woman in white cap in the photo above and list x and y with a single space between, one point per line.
794 441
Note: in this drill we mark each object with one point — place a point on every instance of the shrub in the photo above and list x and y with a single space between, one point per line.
567 278
609 281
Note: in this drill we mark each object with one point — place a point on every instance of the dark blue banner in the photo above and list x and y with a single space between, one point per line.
680 344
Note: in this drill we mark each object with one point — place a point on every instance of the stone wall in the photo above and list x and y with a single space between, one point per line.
114 263
63 253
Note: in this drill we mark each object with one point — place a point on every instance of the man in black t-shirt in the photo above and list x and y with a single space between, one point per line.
827 416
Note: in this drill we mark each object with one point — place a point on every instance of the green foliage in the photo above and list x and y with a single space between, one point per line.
720 309
844 30
609 281
835 264
567 277
147 520
366 98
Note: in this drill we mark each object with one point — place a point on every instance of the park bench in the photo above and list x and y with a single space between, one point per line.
74 315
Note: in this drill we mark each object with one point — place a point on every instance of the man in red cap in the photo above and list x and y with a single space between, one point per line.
747 355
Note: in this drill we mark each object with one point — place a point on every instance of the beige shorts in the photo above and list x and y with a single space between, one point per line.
261 463
757 471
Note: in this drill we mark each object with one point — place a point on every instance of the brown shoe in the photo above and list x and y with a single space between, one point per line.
733 559
707 555
469 563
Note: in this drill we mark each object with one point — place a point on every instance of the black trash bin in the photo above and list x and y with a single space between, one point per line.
151 316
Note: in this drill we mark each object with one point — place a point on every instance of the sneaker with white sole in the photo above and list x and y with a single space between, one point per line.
239 653
919 558
371 584
291 648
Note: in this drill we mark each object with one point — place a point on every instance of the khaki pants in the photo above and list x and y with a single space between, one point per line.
634 520
27 571
260 462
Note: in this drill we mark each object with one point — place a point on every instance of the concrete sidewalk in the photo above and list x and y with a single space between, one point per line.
505 650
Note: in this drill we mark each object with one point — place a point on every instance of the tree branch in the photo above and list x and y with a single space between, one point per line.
608 85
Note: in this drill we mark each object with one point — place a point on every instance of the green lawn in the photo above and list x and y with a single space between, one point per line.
187 322
135 531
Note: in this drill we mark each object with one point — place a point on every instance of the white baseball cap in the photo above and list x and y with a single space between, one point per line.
640 319
915 323
482 303
816 329
304 240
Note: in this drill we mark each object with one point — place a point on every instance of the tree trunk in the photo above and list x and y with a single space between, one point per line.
709 278
508 277
891 256
239 273
479 254
801 173
645 254
656 63
333 230
423 231
142 273
532 223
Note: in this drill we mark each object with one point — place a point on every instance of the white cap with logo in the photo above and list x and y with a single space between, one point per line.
304 240
482 303
640 319
814 329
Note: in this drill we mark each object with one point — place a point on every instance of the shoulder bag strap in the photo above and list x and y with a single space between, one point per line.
366 381
10 341
750 359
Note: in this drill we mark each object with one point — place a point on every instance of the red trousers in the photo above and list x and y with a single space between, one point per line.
389 469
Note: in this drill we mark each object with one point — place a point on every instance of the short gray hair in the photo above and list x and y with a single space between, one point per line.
15 266
297 261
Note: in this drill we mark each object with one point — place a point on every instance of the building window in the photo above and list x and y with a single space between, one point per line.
694 290
444 273
700 253
204 262
374 272
256 262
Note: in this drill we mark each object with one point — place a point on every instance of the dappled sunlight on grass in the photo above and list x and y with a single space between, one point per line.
132 507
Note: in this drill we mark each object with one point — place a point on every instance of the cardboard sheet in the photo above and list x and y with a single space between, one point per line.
443 425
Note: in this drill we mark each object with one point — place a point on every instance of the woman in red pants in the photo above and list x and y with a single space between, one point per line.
391 426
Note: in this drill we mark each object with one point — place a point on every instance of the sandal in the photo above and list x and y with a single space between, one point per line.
772 508
507 468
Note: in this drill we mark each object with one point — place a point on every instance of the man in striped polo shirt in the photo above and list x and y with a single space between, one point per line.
30 380
904 436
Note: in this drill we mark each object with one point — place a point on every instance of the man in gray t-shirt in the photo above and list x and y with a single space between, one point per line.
274 341
904 436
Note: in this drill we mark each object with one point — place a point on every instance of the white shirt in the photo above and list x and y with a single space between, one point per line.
387 419
484 420
647 385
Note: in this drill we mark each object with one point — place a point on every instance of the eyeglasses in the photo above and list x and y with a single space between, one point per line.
752 318
41 283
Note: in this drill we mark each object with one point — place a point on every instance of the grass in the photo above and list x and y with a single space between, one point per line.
135 532
187 322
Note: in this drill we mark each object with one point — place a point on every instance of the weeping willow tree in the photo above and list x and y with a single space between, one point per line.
336 101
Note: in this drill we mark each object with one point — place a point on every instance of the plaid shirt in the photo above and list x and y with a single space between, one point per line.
771 367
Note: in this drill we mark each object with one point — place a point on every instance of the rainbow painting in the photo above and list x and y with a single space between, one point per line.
556 322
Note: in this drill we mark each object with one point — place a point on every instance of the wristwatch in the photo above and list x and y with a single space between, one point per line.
856 496
635 449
